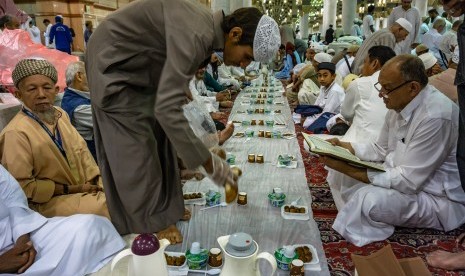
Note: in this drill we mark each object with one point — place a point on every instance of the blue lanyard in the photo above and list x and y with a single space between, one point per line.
55 138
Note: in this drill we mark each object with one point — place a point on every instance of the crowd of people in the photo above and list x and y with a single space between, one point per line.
143 113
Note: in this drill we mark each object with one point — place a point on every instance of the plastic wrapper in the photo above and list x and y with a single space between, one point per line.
201 122
16 45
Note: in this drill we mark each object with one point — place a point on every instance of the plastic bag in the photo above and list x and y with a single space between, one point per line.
201 122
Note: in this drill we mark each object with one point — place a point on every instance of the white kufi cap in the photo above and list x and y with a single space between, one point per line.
323 57
429 60
405 24
267 40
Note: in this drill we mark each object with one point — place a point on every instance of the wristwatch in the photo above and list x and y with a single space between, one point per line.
65 189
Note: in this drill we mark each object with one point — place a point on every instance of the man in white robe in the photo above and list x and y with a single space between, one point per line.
405 10
420 187
432 39
364 110
37 246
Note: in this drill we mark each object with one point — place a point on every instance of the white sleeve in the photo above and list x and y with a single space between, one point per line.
351 101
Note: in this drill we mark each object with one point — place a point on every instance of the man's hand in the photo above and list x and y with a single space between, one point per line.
19 258
337 142
219 171
359 174
90 188
218 115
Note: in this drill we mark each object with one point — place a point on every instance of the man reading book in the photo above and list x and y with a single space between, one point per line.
420 186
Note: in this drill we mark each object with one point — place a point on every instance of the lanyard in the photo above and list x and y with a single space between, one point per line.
55 138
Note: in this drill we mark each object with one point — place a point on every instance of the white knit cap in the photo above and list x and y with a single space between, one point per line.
429 60
317 47
267 40
323 57
405 24
456 55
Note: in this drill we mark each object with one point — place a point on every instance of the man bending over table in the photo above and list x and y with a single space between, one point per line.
420 186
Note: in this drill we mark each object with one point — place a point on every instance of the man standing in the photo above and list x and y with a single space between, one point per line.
449 40
405 10
356 30
88 31
48 28
62 36
138 80
443 259
329 35
417 146
432 39
34 32
385 37
368 23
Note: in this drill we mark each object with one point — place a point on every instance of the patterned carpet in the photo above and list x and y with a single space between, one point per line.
405 242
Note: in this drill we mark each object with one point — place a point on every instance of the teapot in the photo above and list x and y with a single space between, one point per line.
147 256
240 256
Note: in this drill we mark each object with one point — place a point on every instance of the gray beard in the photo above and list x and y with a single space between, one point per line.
47 116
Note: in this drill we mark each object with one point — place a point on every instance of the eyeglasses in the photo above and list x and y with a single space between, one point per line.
386 92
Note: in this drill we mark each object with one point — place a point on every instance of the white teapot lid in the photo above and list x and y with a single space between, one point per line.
241 245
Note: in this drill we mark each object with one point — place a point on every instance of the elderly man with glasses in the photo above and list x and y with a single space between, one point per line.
420 186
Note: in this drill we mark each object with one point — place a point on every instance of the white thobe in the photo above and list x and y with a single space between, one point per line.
75 245
366 111
413 16
367 22
200 92
448 42
342 68
330 99
432 39
420 187
423 30
308 92
34 33
448 24
226 78
47 37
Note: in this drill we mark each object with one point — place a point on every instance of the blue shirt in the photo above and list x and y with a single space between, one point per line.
62 36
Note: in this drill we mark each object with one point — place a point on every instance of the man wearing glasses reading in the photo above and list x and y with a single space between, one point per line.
420 187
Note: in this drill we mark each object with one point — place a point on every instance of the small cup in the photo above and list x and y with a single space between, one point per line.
261 133
249 133
278 192
261 123
259 96
230 158
297 268
251 158
262 110
260 159
268 134
214 257
262 101
253 122
269 123
242 198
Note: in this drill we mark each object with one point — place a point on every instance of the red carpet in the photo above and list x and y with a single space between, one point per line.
405 242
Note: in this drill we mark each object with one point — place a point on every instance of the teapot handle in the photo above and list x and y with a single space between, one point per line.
119 257
269 258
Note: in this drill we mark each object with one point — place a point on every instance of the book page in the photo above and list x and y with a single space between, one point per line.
322 147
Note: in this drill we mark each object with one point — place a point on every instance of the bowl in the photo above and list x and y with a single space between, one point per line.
197 261
176 255
284 160
269 123
282 261
212 198
276 202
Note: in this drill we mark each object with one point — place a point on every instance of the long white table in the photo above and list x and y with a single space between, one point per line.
258 218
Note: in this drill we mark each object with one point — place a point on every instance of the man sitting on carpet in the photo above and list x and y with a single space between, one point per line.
76 102
420 186
45 153
34 245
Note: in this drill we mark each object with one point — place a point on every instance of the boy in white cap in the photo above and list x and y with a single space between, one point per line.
385 37
139 78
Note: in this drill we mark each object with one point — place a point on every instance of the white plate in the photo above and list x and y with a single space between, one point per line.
178 254
197 201
294 214
315 259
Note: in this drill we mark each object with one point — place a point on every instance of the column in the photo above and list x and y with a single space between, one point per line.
304 26
246 3
220 5
377 24
329 15
422 6
349 13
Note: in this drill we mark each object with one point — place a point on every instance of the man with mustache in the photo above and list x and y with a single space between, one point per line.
45 153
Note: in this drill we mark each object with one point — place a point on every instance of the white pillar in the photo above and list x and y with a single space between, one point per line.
304 26
246 3
422 6
377 25
349 12
234 5
385 22
329 15
220 5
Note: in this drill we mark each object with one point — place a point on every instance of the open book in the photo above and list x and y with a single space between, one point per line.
322 147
